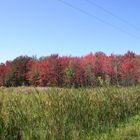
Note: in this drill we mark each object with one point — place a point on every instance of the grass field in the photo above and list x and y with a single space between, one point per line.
109 113
129 130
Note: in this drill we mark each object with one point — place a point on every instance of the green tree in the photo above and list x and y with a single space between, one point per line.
18 74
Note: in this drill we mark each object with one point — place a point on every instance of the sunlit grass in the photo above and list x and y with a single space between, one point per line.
54 113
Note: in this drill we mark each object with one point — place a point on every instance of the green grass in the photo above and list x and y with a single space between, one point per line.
69 114
129 130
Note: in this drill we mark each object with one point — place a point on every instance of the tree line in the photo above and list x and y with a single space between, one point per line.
68 71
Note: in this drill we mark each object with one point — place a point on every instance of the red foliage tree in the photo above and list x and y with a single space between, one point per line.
33 75
71 71
75 73
5 69
129 69
51 73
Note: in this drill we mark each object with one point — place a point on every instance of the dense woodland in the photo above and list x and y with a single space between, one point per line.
67 71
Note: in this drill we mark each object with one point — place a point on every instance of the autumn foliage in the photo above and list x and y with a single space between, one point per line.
70 71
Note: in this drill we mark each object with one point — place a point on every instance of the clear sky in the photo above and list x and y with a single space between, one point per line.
44 27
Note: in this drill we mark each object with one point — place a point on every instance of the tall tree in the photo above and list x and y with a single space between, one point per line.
18 74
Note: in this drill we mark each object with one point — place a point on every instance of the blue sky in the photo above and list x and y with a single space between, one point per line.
44 27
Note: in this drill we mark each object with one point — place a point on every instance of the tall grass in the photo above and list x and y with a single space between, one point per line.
59 114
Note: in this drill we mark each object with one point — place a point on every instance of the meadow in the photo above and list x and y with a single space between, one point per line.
104 113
